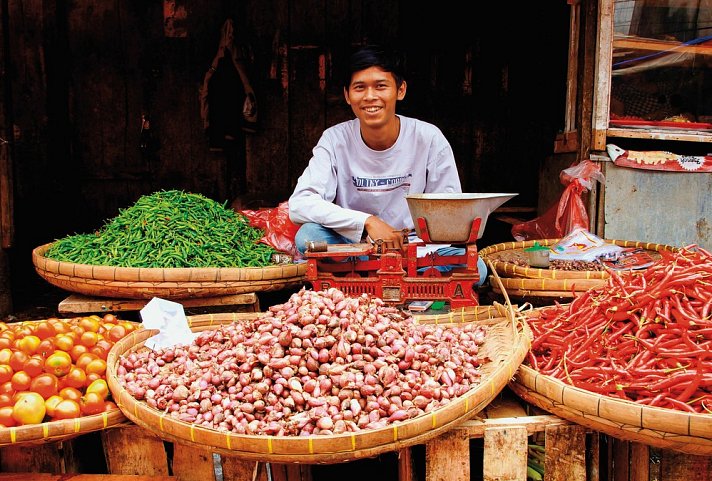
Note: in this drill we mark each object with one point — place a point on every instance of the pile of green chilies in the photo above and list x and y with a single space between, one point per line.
169 229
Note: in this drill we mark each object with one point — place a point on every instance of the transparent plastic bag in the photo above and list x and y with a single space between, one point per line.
569 212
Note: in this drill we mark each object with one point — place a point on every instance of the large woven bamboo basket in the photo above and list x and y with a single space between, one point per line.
507 342
543 287
507 258
170 283
62 430
663 428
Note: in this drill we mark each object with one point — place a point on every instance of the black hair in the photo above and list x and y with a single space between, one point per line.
374 56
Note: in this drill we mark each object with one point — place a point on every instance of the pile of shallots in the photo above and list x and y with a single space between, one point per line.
321 363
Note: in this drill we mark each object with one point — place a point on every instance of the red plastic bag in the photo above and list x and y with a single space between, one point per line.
569 212
279 229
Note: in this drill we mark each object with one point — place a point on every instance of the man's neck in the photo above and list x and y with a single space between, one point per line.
382 138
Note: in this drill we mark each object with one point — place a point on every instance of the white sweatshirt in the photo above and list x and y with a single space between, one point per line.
346 181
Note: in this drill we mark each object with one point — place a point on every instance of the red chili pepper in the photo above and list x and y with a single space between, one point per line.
667 382
705 312
597 388
680 405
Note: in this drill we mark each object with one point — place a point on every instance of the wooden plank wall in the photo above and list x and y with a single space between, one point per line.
84 72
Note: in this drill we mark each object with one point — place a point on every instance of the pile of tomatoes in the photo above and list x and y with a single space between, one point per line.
56 368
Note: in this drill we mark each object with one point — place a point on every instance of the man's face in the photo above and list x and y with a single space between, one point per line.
372 96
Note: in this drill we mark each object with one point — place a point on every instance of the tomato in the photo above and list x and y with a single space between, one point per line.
21 381
29 344
97 366
116 333
60 327
6 373
110 406
91 403
70 393
102 348
51 404
6 388
18 359
5 342
90 324
44 329
58 363
84 359
46 347
6 418
29 409
110 318
64 342
99 386
77 351
76 377
46 385
106 327
67 409
7 399
34 365
100 352
5 355
22 331
93 376
89 338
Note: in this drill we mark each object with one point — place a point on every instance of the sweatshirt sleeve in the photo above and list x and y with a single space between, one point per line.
442 175
313 197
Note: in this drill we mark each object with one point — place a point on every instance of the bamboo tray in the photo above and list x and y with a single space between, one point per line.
663 428
61 430
170 283
543 287
503 259
506 344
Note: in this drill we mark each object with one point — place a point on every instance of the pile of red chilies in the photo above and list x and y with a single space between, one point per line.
645 336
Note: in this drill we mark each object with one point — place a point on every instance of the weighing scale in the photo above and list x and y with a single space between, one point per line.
400 277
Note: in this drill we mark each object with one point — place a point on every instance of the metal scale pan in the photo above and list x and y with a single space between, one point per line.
453 217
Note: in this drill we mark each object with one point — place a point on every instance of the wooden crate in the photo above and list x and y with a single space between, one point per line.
491 447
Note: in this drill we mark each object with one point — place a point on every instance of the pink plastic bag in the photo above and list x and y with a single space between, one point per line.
279 229
569 212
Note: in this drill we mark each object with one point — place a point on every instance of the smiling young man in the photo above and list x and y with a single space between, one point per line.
361 170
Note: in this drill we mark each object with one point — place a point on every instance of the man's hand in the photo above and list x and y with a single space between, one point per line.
378 229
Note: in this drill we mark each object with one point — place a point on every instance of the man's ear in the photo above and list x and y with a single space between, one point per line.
346 96
401 90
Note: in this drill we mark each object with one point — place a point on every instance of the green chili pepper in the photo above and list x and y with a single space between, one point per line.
169 229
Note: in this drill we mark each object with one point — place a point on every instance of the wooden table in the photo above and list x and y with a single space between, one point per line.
77 303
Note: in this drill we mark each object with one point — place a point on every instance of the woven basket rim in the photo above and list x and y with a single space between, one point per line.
511 269
60 430
173 283
665 428
505 359
180 273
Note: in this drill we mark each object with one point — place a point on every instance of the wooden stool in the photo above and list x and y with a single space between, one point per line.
77 303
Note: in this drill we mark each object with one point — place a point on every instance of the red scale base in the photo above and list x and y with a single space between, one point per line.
394 275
